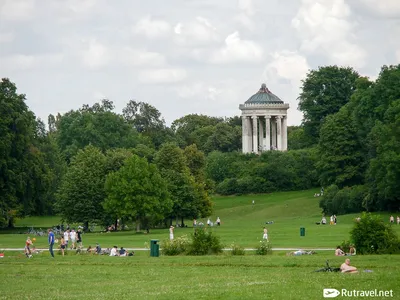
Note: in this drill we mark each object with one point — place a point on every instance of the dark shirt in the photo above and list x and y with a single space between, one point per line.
122 252
79 234
51 238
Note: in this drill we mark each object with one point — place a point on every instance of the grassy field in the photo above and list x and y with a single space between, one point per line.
210 277
241 223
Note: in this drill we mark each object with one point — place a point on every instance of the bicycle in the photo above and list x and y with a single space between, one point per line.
328 268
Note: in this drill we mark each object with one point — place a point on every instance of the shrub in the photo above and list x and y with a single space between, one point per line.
205 242
237 249
345 246
264 248
371 236
175 247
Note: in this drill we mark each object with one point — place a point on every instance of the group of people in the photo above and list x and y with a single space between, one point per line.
340 252
391 220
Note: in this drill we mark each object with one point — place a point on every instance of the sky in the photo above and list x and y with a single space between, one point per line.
187 56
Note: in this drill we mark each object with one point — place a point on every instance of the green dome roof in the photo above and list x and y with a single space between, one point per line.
264 96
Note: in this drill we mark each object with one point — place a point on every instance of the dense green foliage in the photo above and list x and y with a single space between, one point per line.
137 191
371 236
205 242
348 141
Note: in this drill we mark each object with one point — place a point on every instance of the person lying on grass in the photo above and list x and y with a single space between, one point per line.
346 268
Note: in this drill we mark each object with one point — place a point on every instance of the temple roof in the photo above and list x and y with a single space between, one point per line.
264 96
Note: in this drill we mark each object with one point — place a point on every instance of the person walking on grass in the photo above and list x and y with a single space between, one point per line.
171 232
27 249
265 234
63 245
51 242
79 235
73 238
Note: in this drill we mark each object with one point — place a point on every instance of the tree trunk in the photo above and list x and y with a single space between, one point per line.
86 225
11 222
182 224
137 224
116 224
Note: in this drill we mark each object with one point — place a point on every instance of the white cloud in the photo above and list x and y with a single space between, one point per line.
136 57
152 28
398 56
196 33
6 37
197 90
247 6
385 8
288 65
325 27
17 10
164 75
21 62
238 50
96 55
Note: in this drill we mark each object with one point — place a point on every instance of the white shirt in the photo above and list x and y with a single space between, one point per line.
66 236
113 252
73 235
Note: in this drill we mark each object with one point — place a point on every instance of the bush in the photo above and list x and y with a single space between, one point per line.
237 249
264 248
205 242
177 246
371 236
345 246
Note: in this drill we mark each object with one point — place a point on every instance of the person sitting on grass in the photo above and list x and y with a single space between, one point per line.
346 268
339 251
114 251
98 249
89 250
122 252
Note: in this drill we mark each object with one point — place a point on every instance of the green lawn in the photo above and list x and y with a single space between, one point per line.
210 277
241 223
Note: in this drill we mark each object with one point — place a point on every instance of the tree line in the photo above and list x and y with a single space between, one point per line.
95 164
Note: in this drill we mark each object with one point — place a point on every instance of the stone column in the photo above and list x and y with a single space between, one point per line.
279 131
267 133
255 134
244 135
284 133
249 135
261 135
273 130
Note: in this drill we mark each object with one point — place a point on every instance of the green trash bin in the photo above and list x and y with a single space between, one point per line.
154 248
302 231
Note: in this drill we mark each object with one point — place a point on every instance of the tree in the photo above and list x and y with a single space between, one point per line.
21 163
147 120
137 191
297 138
384 170
324 92
97 126
224 139
81 193
340 160
189 199
184 127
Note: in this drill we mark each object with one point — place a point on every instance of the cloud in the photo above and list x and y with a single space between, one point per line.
22 62
152 28
283 76
398 56
385 9
325 27
17 10
288 65
238 50
6 37
199 32
95 54
247 6
160 76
